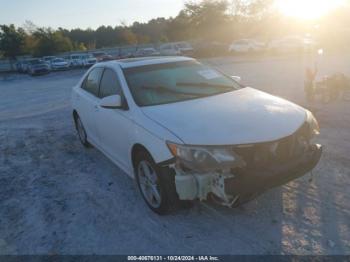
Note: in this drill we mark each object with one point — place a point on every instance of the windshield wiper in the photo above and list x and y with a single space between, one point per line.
160 88
164 89
203 84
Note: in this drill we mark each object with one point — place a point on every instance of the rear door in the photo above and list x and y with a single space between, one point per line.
115 126
88 103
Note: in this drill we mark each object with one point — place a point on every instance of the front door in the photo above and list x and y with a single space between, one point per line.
114 125
88 103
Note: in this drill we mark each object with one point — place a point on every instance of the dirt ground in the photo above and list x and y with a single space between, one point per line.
58 198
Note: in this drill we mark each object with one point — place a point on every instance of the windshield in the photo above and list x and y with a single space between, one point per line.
175 82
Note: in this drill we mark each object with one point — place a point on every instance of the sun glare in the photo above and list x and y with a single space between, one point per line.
307 9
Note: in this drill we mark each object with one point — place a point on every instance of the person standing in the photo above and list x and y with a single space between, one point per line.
309 83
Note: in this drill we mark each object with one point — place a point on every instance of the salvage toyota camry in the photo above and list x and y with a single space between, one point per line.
186 131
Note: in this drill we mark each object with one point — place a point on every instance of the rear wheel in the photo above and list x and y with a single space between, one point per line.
156 184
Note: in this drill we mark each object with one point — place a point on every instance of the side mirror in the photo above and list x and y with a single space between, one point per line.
236 78
111 102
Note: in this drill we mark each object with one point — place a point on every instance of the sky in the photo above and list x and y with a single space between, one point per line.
94 13
85 13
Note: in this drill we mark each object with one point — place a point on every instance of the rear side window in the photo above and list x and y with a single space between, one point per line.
91 83
109 84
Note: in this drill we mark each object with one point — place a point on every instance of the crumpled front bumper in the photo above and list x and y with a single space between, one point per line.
242 183
248 182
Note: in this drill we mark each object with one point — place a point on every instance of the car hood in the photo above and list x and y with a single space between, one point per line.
244 116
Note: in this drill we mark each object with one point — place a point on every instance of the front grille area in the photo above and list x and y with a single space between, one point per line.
264 155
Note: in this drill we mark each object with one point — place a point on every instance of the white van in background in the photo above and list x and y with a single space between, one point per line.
82 60
246 45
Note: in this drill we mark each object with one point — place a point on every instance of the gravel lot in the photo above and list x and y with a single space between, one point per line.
58 198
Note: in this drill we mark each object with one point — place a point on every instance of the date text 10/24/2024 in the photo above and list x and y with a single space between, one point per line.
173 258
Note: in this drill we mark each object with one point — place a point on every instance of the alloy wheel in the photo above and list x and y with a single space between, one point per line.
149 184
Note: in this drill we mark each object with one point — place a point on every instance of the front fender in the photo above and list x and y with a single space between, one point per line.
153 138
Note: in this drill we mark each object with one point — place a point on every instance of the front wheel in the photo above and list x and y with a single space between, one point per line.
81 131
156 185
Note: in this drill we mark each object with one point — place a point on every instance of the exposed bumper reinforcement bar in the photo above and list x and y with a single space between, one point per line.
243 182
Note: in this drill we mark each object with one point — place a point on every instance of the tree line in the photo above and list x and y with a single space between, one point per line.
207 20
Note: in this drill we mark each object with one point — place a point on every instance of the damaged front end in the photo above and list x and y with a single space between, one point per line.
233 174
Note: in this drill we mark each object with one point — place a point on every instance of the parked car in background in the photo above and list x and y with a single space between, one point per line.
66 58
246 45
75 60
48 59
59 64
105 58
22 66
149 51
292 44
102 56
185 131
98 55
37 67
175 49
88 60
210 49
126 55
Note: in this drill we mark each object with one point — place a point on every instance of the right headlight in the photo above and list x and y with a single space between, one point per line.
313 124
205 158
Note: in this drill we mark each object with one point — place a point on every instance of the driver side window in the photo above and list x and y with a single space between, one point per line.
91 83
109 84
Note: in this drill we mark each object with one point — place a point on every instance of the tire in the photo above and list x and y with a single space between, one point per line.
81 132
156 184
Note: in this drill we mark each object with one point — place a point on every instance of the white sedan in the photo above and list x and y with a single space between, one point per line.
186 131
246 45
59 64
292 44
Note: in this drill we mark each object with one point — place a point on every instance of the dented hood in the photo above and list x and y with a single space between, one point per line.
240 117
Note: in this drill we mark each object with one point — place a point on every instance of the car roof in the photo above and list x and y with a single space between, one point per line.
143 61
